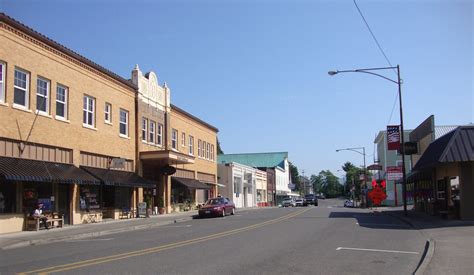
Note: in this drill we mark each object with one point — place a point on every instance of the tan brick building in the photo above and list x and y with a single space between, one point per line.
77 138
171 146
59 112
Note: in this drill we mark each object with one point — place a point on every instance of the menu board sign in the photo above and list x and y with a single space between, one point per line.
142 209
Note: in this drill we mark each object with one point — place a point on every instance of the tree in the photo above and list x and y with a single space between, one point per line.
295 176
326 182
219 150
352 177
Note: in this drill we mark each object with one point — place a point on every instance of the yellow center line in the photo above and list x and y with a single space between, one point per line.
116 257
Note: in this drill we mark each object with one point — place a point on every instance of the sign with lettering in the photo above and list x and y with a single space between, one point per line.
394 172
142 209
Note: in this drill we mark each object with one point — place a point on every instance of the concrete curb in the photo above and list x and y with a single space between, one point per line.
429 250
93 234
426 258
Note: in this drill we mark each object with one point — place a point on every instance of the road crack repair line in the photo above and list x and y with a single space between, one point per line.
111 258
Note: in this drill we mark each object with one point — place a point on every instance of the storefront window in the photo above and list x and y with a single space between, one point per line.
122 197
89 198
7 198
117 197
34 193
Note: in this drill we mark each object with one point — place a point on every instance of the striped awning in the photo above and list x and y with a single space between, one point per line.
190 183
118 178
15 169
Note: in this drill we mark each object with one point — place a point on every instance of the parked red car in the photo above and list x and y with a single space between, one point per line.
216 207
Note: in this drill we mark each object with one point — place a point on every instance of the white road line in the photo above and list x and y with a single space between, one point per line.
376 250
382 224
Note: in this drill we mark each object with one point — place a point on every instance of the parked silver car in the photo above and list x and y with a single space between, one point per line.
288 202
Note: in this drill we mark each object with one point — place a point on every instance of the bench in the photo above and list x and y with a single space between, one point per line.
126 213
33 223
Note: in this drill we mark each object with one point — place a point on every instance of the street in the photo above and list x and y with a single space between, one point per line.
327 239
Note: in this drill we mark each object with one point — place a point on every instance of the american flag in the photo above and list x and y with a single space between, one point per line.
393 137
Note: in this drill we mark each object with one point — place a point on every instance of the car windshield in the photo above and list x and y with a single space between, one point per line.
215 201
309 196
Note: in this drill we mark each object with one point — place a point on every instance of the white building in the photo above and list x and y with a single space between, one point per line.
237 182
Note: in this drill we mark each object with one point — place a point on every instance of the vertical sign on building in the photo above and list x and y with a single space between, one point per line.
393 137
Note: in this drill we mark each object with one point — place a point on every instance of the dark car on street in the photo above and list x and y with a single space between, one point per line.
310 199
217 207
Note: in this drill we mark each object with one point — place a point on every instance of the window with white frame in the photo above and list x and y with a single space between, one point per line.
88 117
208 149
183 139
20 91
108 113
212 152
42 95
2 81
199 147
174 139
61 102
144 128
159 134
191 145
152 131
123 122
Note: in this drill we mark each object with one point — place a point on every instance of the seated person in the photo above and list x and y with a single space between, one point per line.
39 215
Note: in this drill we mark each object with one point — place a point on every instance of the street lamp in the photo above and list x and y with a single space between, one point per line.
356 149
399 83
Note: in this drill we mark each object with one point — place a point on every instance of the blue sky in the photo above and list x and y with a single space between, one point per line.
257 70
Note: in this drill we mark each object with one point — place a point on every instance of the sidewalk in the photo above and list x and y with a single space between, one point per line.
81 231
451 241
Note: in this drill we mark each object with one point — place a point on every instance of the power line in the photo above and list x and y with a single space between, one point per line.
383 53
373 35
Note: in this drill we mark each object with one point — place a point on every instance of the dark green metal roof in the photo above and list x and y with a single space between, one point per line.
261 160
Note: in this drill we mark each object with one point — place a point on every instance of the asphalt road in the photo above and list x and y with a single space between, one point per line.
327 239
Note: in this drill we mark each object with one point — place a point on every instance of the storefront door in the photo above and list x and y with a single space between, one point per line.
64 202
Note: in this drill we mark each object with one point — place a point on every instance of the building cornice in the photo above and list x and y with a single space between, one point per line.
50 45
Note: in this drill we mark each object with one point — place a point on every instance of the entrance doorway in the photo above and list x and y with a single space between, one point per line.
64 202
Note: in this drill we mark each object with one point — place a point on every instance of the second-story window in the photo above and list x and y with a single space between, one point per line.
144 128
88 117
2 82
212 152
199 147
183 139
191 145
123 122
42 96
174 139
152 131
61 102
21 92
108 113
208 149
159 134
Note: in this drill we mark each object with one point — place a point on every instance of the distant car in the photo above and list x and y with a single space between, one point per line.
299 202
321 196
349 203
216 207
288 202
310 199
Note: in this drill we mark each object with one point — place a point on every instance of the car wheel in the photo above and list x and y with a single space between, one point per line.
223 212
233 211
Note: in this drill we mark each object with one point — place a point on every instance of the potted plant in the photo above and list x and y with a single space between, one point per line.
161 206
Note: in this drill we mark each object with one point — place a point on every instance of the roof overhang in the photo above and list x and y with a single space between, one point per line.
167 156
